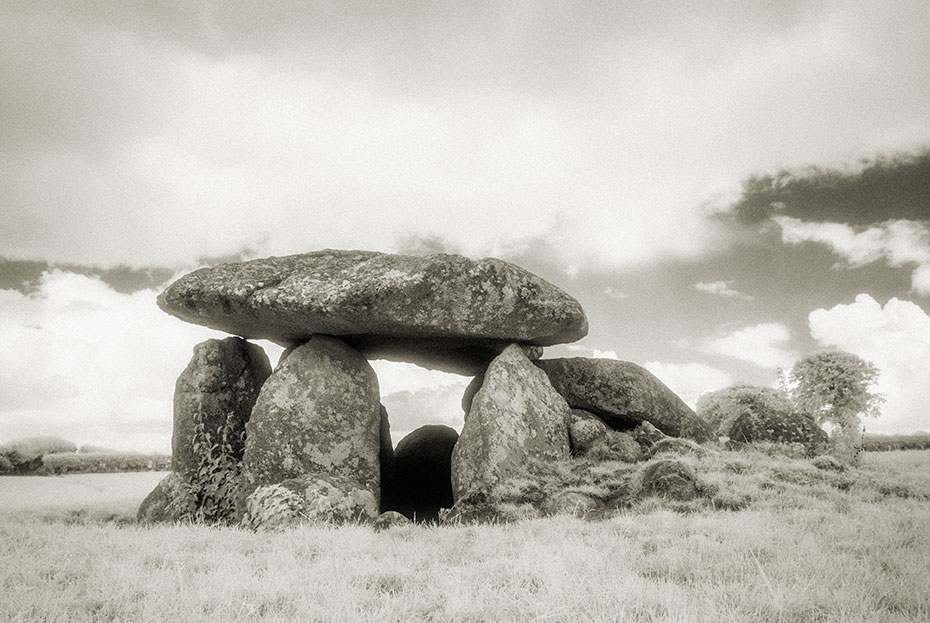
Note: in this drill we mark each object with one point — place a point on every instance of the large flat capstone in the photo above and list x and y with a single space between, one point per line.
441 311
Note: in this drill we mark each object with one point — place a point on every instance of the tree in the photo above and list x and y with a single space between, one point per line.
835 388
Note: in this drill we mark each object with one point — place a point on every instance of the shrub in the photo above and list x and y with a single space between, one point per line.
722 408
214 487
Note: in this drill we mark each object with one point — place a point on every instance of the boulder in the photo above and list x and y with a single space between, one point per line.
169 501
317 414
647 435
623 394
584 431
423 472
213 400
309 498
515 416
390 519
670 478
615 445
779 427
442 311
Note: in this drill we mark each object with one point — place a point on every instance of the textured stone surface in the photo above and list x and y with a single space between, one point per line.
423 472
647 435
442 311
217 391
318 413
615 445
386 461
671 479
584 431
166 502
515 415
309 499
781 427
623 394
390 519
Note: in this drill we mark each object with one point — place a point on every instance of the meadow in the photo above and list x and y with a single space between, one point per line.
780 540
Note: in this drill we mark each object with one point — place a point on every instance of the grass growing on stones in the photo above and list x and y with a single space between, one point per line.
770 539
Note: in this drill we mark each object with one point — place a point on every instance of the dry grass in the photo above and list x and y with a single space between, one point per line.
809 545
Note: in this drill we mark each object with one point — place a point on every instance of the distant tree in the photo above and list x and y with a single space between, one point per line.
723 407
835 388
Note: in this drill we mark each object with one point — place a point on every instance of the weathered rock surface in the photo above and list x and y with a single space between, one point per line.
386 461
515 416
167 502
671 479
615 445
623 394
213 399
423 472
390 519
585 430
309 498
317 414
647 435
781 427
442 311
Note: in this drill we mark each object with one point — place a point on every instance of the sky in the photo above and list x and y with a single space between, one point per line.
726 187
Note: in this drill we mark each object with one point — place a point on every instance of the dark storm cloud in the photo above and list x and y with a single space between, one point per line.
887 187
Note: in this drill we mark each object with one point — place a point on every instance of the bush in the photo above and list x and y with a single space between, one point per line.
722 408
879 443
25 455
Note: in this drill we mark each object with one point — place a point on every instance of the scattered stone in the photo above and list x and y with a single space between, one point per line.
623 394
574 503
213 400
317 414
442 311
515 416
647 435
423 472
585 431
168 502
671 479
677 446
778 427
390 519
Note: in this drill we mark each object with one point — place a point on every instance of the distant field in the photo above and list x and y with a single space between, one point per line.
808 546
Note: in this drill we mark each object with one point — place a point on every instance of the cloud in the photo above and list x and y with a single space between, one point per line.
613 293
722 288
763 344
896 338
156 135
90 364
898 242
408 410
689 380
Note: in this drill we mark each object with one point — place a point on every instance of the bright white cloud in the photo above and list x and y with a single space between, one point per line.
764 345
91 365
898 242
722 288
689 380
896 338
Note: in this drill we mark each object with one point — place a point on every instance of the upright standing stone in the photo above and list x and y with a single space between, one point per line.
515 416
215 395
318 414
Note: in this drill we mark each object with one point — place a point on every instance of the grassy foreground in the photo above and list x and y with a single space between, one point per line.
808 545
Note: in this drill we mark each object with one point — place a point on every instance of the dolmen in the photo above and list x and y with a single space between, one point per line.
310 440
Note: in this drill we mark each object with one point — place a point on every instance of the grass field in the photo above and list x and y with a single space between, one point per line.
807 546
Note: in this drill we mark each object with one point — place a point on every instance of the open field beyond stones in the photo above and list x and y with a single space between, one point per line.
851 546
